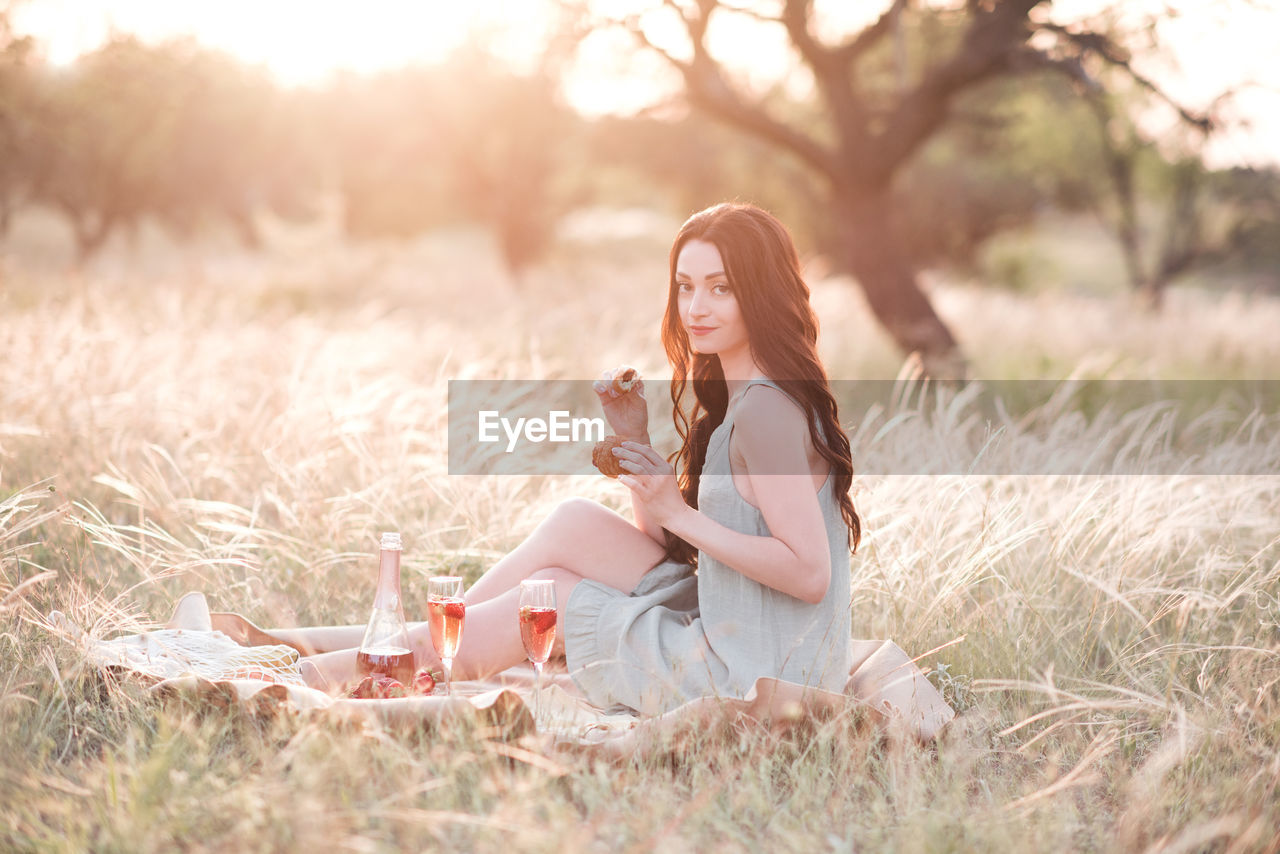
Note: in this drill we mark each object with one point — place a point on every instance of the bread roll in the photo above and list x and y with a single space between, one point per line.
602 456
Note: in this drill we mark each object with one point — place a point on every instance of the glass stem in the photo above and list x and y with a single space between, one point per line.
448 676
537 693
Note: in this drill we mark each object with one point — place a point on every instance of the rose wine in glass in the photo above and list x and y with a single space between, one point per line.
537 628
445 613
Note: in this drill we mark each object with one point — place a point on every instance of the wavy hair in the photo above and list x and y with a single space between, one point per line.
763 269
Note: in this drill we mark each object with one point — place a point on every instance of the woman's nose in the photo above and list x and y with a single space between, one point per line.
697 304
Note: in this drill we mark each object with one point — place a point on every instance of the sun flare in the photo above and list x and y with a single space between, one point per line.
300 42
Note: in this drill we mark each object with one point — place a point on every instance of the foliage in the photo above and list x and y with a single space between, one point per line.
464 141
189 138
173 132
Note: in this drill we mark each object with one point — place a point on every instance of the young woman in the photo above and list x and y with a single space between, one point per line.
737 563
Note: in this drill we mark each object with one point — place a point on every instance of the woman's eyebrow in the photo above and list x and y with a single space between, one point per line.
719 273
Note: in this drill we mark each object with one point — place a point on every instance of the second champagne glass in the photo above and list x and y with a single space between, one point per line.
537 628
446 611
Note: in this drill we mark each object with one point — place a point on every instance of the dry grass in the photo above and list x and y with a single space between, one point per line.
245 427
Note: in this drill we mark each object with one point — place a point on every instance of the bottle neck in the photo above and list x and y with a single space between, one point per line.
388 595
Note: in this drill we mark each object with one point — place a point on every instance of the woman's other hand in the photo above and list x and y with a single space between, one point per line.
627 412
652 481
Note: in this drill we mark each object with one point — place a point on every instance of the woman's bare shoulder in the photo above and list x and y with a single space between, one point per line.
771 431
767 407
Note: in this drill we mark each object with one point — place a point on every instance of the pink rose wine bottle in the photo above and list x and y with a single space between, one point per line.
385 649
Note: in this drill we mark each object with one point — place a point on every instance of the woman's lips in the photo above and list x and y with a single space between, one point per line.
701 330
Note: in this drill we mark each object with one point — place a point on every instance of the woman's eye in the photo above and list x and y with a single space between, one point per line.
684 287
721 290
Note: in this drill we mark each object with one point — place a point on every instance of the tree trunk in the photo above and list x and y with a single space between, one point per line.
875 254
245 227
91 236
1149 294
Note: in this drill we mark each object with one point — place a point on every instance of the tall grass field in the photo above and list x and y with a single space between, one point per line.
245 425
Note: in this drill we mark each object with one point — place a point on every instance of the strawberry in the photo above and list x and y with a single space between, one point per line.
385 687
544 621
424 682
363 691
455 610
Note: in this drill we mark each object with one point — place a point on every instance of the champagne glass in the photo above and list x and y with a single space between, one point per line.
445 613
537 628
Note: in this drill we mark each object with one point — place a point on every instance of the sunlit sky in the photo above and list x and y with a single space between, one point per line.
1214 45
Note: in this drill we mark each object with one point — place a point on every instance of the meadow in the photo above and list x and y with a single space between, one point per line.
203 419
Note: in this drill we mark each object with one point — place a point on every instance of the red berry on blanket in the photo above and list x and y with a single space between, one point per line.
363 691
424 682
385 687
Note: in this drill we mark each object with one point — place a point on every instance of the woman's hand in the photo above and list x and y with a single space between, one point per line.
627 413
652 482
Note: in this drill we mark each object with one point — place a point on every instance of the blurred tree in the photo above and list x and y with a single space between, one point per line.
1253 240
1126 155
236 146
100 126
14 55
467 140
686 165
508 138
880 105
966 186
174 132
385 149
1079 146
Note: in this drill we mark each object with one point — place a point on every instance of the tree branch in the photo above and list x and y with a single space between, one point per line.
832 74
996 33
751 12
849 52
1071 67
709 89
1106 49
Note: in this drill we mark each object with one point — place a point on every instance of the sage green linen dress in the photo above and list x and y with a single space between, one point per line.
681 634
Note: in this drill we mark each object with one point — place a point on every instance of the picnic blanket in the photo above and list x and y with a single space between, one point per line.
188 658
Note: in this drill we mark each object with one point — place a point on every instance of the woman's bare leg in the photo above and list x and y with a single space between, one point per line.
581 536
309 640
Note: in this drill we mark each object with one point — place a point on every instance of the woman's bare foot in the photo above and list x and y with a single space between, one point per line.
245 633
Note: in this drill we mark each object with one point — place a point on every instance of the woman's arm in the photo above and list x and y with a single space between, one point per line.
770 432
644 519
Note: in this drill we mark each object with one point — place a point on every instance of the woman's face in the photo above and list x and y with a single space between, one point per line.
708 308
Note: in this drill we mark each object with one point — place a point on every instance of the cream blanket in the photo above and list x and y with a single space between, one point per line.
188 657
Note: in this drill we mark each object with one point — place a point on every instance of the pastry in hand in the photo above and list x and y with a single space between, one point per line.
602 456
625 379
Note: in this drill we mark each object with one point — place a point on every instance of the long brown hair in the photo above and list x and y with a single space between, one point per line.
763 269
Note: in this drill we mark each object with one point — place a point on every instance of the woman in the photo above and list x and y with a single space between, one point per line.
760 506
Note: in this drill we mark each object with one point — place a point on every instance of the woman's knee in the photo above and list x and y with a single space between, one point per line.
570 521
577 511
